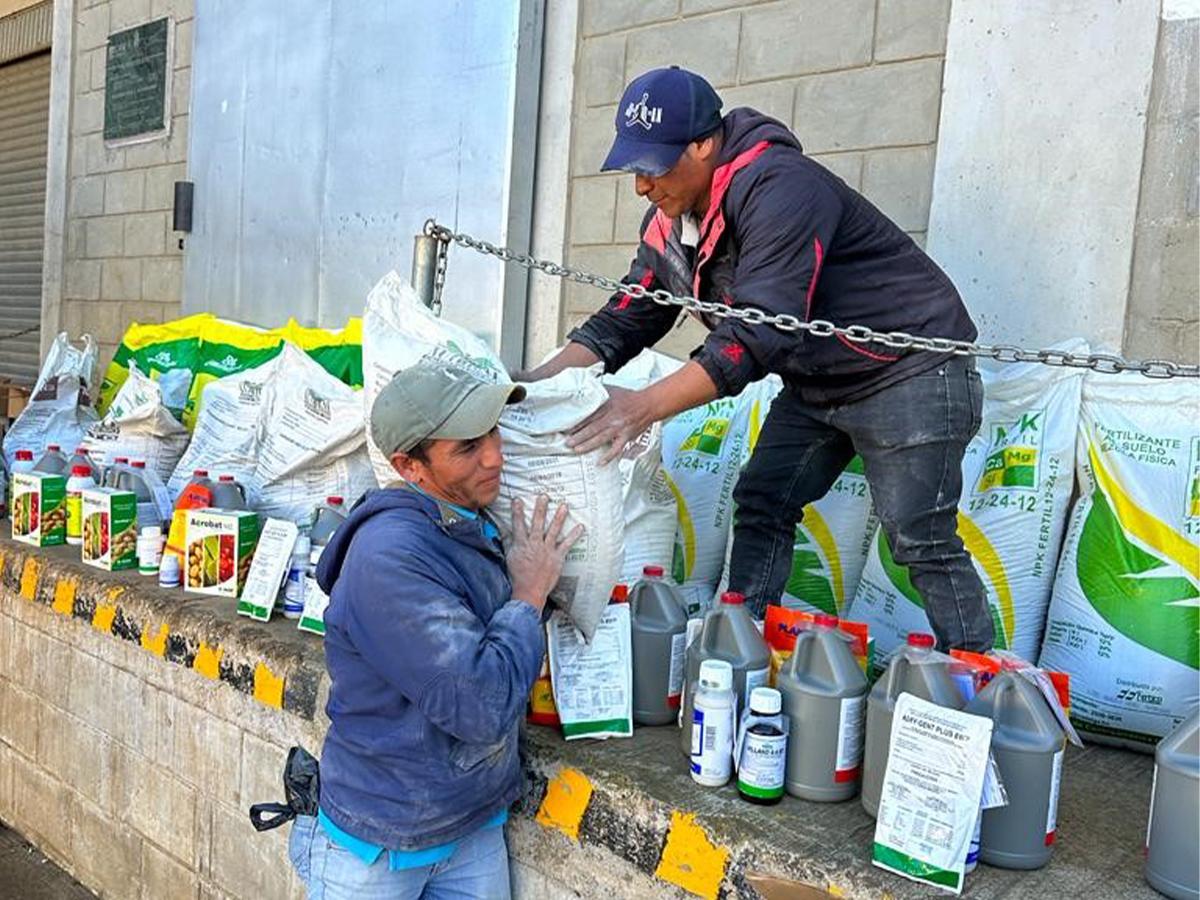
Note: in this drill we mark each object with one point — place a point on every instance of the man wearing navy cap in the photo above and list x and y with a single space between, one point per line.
741 216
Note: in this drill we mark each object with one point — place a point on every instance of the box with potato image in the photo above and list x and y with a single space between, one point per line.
39 509
109 529
219 547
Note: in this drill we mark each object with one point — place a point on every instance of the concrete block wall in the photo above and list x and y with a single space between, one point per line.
861 88
135 774
122 261
1163 315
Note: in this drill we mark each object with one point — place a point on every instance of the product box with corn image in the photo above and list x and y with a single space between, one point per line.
219 547
39 509
109 528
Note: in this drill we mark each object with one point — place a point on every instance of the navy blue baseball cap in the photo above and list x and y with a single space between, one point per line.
660 113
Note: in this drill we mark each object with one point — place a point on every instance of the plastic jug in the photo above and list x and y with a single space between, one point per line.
53 461
112 475
228 494
329 515
1028 744
1173 833
133 478
22 462
198 491
824 697
729 634
915 669
81 458
658 627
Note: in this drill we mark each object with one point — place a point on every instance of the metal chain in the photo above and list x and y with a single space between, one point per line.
857 334
439 272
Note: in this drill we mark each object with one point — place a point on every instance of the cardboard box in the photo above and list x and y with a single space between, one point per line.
110 529
13 399
218 547
39 509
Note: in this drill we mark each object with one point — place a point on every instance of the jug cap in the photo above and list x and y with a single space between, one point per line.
653 571
716 674
81 471
825 620
54 446
766 701
138 464
199 473
620 594
117 460
226 478
25 455
920 639
334 500
81 451
733 597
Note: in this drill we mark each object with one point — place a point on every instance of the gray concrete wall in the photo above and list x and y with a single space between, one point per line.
861 88
1164 309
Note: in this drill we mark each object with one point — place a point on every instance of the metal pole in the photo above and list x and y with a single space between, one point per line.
424 267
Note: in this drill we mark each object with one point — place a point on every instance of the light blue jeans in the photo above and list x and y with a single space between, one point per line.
478 869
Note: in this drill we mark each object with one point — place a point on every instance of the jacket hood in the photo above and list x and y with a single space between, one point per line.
743 127
371 504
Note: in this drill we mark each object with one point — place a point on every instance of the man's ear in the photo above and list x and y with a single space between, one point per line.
407 467
706 148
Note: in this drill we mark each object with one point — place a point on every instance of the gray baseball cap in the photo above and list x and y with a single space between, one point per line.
434 399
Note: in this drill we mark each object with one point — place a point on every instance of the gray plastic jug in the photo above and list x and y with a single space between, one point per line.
824 697
228 494
53 461
658 626
133 478
112 474
729 634
1173 833
1028 744
81 458
329 515
915 669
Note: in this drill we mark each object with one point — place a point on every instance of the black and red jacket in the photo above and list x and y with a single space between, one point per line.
784 234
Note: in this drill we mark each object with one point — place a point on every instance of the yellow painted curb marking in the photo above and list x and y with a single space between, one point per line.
29 578
64 596
208 661
690 860
566 800
103 619
268 687
156 643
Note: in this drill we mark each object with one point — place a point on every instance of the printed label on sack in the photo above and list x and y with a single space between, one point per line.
1052 810
675 678
850 739
754 678
762 763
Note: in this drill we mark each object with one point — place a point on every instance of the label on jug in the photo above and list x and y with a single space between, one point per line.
712 743
1052 809
850 739
675 676
762 764
754 678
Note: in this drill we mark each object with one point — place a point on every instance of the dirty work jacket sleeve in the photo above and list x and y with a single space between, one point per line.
625 326
469 679
784 223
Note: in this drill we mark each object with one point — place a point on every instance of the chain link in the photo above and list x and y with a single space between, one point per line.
439 274
857 334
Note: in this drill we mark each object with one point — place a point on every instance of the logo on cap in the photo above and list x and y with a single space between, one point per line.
641 113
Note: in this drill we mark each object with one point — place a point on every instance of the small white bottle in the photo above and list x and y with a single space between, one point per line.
81 479
149 550
712 724
293 592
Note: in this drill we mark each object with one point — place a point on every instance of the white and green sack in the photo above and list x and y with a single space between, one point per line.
1015 496
1125 616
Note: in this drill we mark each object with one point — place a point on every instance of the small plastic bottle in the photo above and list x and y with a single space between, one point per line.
80 480
169 572
293 593
149 550
762 748
712 724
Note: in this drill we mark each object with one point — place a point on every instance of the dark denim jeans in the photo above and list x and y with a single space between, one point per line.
911 437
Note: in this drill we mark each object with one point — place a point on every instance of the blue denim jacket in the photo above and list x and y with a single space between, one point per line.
431 663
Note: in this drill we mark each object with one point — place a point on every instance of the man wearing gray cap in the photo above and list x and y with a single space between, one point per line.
433 639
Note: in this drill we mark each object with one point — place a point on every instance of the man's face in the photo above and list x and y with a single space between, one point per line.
685 186
466 473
